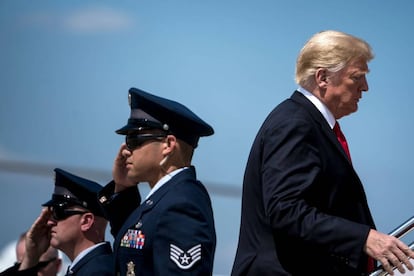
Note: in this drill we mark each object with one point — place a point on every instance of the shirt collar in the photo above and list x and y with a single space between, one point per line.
319 105
164 180
83 254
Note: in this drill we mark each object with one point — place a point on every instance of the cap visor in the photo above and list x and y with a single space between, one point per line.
125 129
52 202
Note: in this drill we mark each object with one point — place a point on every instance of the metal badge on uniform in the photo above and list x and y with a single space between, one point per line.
130 269
129 99
185 259
133 239
138 225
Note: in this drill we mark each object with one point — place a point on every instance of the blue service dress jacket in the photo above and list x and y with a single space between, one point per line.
170 233
99 261
304 209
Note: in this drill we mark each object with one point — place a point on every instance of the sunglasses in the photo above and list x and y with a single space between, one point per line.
134 141
60 213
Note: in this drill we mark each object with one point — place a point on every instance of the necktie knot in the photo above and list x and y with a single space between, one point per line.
341 138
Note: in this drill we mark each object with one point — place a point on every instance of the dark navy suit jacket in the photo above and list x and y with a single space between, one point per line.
304 210
170 233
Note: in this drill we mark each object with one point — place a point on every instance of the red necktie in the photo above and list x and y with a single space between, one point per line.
370 265
344 144
341 139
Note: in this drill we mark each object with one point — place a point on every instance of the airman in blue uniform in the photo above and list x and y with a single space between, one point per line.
171 231
72 222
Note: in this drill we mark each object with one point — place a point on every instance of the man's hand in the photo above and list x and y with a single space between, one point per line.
120 171
389 251
37 240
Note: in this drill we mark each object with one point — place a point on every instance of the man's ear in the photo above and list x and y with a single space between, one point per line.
170 142
87 221
321 77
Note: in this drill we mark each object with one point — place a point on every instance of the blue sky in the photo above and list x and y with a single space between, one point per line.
66 67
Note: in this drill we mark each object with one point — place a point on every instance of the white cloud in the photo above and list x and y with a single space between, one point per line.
84 20
96 20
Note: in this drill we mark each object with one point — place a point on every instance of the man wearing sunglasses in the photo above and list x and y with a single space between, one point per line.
73 222
172 231
48 264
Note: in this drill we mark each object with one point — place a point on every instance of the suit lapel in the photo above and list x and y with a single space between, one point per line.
318 118
133 220
321 122
135 217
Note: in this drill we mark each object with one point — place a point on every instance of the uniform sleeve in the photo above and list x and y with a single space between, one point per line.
118 206
185 240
